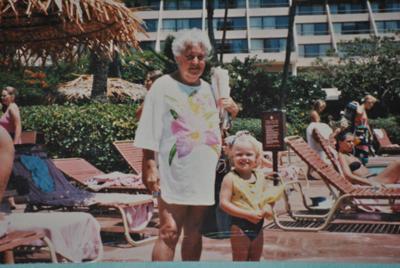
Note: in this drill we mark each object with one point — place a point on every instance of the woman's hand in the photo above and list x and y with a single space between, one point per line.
230 106
152 181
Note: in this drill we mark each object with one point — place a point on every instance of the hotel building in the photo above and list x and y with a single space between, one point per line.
259 27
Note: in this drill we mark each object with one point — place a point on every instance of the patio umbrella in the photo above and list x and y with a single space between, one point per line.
52 29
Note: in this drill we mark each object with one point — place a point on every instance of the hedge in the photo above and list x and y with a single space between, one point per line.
88 131
85 131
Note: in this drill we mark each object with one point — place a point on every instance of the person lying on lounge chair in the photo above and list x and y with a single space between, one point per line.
356 172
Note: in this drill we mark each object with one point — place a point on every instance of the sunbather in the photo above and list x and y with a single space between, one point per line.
354 170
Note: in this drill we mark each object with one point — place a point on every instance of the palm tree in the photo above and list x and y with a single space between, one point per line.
210 26
289 45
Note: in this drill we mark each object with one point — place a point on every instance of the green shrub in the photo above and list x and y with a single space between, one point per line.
254 126
251 124
85 131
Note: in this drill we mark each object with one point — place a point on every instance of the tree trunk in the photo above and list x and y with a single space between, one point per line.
99 69
221 56
115 66
289 45
210 26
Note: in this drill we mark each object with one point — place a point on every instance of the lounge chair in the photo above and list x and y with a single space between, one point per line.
53 190
32 137
347 193
14 239
74 236
85 174
385 146
132 154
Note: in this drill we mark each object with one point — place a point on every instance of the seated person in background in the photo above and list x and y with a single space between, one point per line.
356 172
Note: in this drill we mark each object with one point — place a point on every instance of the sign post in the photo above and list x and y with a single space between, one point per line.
273 130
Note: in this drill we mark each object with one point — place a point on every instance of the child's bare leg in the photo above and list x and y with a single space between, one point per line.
240 244
256 247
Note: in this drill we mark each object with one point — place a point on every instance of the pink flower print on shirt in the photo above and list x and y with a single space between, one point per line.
191 130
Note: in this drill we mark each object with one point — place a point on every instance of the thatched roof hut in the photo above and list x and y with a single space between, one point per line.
51 29
81 88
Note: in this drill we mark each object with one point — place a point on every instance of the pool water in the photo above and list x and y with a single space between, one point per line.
376 170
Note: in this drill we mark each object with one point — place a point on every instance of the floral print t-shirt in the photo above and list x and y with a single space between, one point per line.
181 123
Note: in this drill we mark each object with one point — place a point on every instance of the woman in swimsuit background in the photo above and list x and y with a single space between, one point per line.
356 172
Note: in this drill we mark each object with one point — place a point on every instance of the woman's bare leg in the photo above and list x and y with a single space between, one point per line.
391 174
192 240
171 221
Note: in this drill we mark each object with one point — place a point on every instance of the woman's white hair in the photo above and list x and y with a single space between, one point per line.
185 38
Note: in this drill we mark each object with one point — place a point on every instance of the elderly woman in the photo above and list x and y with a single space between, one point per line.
10 119
180 121
354 170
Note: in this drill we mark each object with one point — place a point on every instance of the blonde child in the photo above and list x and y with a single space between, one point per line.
248 197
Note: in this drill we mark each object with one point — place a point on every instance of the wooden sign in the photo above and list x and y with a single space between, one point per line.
273 129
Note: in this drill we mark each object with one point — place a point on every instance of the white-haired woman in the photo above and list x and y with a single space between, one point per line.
180 121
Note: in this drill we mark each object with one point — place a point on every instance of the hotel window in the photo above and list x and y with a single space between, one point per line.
310 9
360 27
233 46
151 25
220 4
348 8
270 45
275 22
231 23
268 3
385 6
275 45
180 24
388 26
182 4
146 45
312 29
314 50
145 4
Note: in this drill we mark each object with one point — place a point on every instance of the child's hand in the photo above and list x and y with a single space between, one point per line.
267 211
255 217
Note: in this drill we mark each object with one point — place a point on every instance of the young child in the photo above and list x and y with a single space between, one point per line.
248 197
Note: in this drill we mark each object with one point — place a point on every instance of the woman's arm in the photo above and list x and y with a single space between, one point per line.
314 116
344 163
150 176
226 204
16 118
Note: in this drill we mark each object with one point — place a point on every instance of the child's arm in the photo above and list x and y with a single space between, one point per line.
226 204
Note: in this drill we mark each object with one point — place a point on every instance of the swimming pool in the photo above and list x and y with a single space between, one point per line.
376 169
